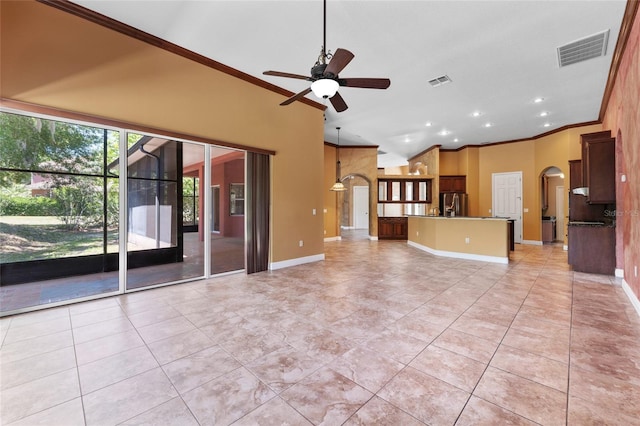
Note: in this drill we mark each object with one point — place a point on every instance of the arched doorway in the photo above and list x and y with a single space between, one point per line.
553 202
355 211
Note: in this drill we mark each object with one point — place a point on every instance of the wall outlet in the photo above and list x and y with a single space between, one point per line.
623 178
313 212
417 233
635 271
489 211
300 243
526 210
325 210
467 240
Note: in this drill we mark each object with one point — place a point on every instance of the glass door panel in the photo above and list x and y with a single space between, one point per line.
58 212
160 249
227 207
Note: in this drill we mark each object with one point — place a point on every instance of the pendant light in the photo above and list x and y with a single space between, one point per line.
338 186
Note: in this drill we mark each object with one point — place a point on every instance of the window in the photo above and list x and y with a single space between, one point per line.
236 199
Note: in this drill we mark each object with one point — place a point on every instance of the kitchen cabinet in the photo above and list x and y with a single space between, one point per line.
579 208
598 167
392 228
457 183
592 248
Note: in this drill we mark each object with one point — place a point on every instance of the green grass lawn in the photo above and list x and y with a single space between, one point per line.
24 238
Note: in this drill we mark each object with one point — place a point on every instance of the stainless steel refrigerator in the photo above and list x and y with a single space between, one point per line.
454 204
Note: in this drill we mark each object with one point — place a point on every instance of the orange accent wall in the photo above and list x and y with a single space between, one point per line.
622 116
54 59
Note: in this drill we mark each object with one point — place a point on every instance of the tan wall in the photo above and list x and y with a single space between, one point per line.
532 157
472 171
487 237
54 59
623 119
362 162
512 157
330 210
431 160
449 163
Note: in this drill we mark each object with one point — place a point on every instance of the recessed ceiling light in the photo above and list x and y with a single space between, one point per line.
444 132
428 124
546 125
544 114
456 140
488 124
538 100
475 114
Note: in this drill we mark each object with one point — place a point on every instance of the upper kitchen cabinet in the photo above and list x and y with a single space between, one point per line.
453 183
598 167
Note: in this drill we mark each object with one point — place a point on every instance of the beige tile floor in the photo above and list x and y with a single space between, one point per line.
378 334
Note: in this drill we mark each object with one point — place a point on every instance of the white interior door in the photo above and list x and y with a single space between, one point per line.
560 213
507 199
361 207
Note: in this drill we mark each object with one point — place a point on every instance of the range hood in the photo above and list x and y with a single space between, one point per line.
581 191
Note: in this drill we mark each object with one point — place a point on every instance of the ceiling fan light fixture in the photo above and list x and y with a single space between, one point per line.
324 88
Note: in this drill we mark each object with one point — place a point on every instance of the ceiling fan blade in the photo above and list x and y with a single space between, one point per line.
296 96
338 61
338 103
286 74
366 83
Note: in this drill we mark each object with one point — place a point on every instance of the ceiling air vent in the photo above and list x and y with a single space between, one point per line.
583 49
440 81
381 152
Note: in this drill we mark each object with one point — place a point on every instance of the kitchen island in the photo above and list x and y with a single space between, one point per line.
475 238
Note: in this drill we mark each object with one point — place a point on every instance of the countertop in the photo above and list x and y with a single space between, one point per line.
462 217
600 224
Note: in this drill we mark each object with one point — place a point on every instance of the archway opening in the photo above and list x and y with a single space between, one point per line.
553 203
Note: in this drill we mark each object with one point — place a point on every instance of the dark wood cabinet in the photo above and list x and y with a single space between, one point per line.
592 249
457 183
598 169
579 208
393 228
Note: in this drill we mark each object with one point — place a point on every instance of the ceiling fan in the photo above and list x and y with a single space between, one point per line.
324 75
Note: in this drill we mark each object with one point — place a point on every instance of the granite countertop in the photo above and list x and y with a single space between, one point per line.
600 224
462 217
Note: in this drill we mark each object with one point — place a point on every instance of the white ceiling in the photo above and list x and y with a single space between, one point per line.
500 56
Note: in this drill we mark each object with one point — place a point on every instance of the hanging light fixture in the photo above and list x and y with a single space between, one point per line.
338 186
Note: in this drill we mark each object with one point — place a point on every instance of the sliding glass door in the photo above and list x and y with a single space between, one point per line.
88 211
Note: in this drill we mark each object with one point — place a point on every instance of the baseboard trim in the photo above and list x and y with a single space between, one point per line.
619 273
295 262
532 242
632 296
329 239
466 256
373 237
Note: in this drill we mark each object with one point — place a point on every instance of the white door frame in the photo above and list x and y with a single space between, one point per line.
517 200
